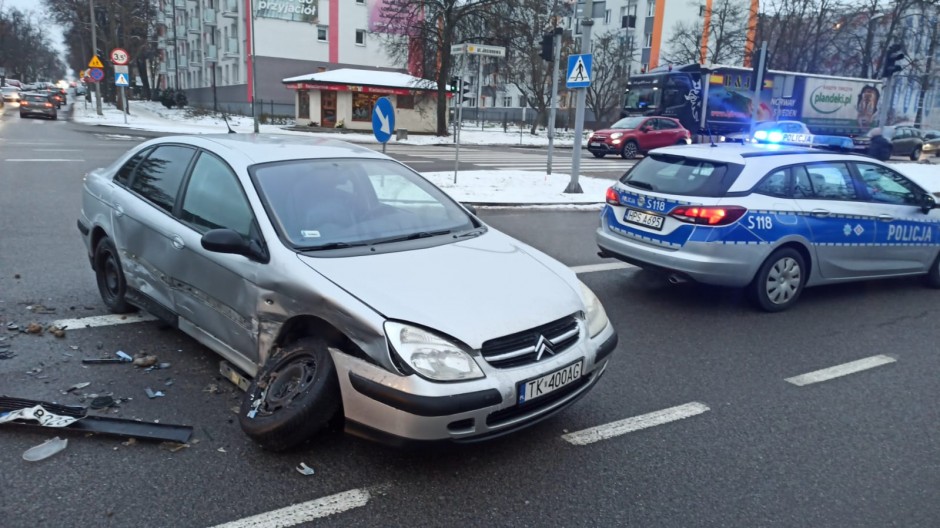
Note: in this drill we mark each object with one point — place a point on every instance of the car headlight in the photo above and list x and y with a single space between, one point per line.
616 135
430 355
594 311
590 136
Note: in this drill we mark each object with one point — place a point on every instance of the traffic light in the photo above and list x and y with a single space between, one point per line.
464 92
454 82
548 47
895 54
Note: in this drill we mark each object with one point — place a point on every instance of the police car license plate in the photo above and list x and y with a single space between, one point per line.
644 219
532 389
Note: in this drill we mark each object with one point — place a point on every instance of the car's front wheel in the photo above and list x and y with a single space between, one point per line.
915 155
293 397
630 150
110 277
779 281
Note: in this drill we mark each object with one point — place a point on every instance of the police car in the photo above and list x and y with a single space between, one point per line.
770 218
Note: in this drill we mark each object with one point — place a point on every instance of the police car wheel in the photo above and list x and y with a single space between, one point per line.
933 276
779 281
629 150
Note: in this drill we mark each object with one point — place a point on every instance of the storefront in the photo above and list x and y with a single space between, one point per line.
345 98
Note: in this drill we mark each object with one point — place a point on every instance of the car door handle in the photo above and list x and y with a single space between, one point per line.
178 242
885 217
819 213
118 210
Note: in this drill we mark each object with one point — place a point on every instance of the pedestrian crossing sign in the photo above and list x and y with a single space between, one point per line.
120 79
579 71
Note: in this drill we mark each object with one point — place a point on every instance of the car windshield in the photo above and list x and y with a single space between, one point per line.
680 175
337 203
628 123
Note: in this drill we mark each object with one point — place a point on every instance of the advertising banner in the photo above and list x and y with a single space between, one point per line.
295 10
842 103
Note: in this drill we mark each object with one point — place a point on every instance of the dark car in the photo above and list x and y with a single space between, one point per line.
905 141
932 143
37 104
635 135
57 95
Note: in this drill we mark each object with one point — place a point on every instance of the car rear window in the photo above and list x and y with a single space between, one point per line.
681 175
37 98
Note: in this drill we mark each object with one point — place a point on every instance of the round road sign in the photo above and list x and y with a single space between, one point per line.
96 74
120 56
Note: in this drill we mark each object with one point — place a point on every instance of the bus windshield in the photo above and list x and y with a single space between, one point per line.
641 98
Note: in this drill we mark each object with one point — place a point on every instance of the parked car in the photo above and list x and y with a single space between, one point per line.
341 281
932 143
11 94
637 135
37 104
905 141
771 220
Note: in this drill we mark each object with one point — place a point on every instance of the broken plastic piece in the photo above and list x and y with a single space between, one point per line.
123 355
304 469
101 402
153 394
45 449
39 414
78 386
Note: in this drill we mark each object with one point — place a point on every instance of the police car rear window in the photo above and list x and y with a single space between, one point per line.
683 176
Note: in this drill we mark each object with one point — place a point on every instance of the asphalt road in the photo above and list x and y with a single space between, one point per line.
861 450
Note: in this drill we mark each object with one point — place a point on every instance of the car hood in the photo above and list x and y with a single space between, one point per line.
472 290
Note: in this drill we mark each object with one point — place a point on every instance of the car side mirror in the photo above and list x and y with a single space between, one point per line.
927 202
228 241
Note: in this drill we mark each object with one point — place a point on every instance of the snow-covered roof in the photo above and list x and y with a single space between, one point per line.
365 78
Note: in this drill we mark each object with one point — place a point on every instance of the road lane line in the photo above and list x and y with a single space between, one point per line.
841 370
303 512
606 266
103 320
629 425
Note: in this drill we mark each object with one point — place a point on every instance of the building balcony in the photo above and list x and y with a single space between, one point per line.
161 69
180 4
195 59
212 53
161 18
180 32
170 65
209 17
184 62
231 47
161 42
230 8
194 25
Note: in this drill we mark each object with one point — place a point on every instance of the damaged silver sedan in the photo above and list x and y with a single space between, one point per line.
342 283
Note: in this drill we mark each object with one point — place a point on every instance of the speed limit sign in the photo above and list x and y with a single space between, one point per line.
119 56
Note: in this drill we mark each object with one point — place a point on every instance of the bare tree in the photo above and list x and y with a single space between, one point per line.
727 35
612 53
27 53
419 34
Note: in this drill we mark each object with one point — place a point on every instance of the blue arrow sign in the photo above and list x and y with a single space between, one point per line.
120 79
383 119
579 71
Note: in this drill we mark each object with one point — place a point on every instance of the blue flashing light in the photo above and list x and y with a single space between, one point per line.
775 137
760 135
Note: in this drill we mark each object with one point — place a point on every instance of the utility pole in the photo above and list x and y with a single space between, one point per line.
758 83
553 101
94 53
586 23
176 53
254 64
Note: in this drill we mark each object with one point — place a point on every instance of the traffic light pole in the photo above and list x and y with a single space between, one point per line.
463 72
887 95
552 103
758 84
586 23
94 53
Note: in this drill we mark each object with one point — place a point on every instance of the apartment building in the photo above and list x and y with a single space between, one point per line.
205 47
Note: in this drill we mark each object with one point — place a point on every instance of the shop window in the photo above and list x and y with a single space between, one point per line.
405 102
362 106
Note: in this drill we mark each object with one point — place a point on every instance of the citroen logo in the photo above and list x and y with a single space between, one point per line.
543 346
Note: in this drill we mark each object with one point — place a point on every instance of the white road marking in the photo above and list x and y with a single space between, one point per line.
43 159
57 150
841 370
103 320
606 266
303 512
606 431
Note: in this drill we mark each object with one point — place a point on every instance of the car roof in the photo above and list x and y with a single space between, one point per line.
264 148
759 153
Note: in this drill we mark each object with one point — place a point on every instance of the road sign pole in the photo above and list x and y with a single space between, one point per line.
124 103
586 23
553 102
463 72
94 52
